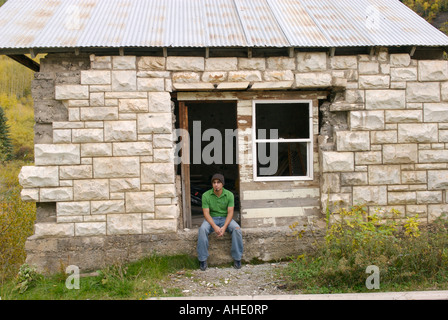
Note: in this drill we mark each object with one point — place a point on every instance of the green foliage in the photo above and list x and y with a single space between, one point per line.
407 254
137 280
5 140
16 220
26 277
354 229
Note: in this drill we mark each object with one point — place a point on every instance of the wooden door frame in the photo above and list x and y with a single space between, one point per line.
185 167
185 154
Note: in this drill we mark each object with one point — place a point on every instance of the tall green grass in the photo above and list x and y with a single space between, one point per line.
143 279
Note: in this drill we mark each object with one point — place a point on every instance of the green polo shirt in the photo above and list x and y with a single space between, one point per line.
218 205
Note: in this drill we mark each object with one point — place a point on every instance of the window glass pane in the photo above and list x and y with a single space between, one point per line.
290 119
282 159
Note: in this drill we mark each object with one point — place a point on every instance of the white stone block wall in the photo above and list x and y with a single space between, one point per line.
107 169
396 137
110 167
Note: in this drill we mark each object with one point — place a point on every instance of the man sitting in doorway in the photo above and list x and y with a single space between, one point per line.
217 206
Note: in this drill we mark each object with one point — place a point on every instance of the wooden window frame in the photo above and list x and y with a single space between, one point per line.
309 142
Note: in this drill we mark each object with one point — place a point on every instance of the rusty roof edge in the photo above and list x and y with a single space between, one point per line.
110 50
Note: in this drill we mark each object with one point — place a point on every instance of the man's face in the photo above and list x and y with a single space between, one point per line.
217 185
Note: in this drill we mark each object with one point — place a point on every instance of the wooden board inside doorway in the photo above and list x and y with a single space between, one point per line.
185 166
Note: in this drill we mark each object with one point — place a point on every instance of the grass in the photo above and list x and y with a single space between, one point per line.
131 281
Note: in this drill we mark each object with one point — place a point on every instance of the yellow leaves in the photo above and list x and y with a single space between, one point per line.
16 100
293 226
15 79
8 101
396 213
427 9
302 256
411 227
360 227
20 115
16 225
298 234
150 294
16 220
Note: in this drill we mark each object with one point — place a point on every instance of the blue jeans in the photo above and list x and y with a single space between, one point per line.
233 228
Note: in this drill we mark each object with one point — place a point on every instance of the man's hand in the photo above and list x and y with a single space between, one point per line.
229 218
221 231
217 230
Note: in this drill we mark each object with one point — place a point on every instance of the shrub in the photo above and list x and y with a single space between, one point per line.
406 254
16 220
26 277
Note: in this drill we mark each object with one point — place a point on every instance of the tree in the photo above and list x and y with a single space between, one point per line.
5 140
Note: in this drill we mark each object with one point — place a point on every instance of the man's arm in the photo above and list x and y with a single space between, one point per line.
227 222
206 212
230 210
208 218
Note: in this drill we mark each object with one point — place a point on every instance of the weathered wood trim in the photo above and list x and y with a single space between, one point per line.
280 203
27 62
251 95
278 194
185 167
282 212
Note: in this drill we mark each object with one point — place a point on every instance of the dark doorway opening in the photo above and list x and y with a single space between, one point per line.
212 128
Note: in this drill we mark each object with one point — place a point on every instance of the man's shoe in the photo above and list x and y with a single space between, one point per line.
237 264
203 265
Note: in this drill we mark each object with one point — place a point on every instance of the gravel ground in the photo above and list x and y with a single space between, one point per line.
249 280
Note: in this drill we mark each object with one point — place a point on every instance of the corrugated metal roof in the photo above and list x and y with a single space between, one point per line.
212 23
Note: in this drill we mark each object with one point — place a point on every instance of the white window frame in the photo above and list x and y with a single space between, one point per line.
310 143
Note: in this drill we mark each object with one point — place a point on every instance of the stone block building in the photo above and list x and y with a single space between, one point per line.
135 111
